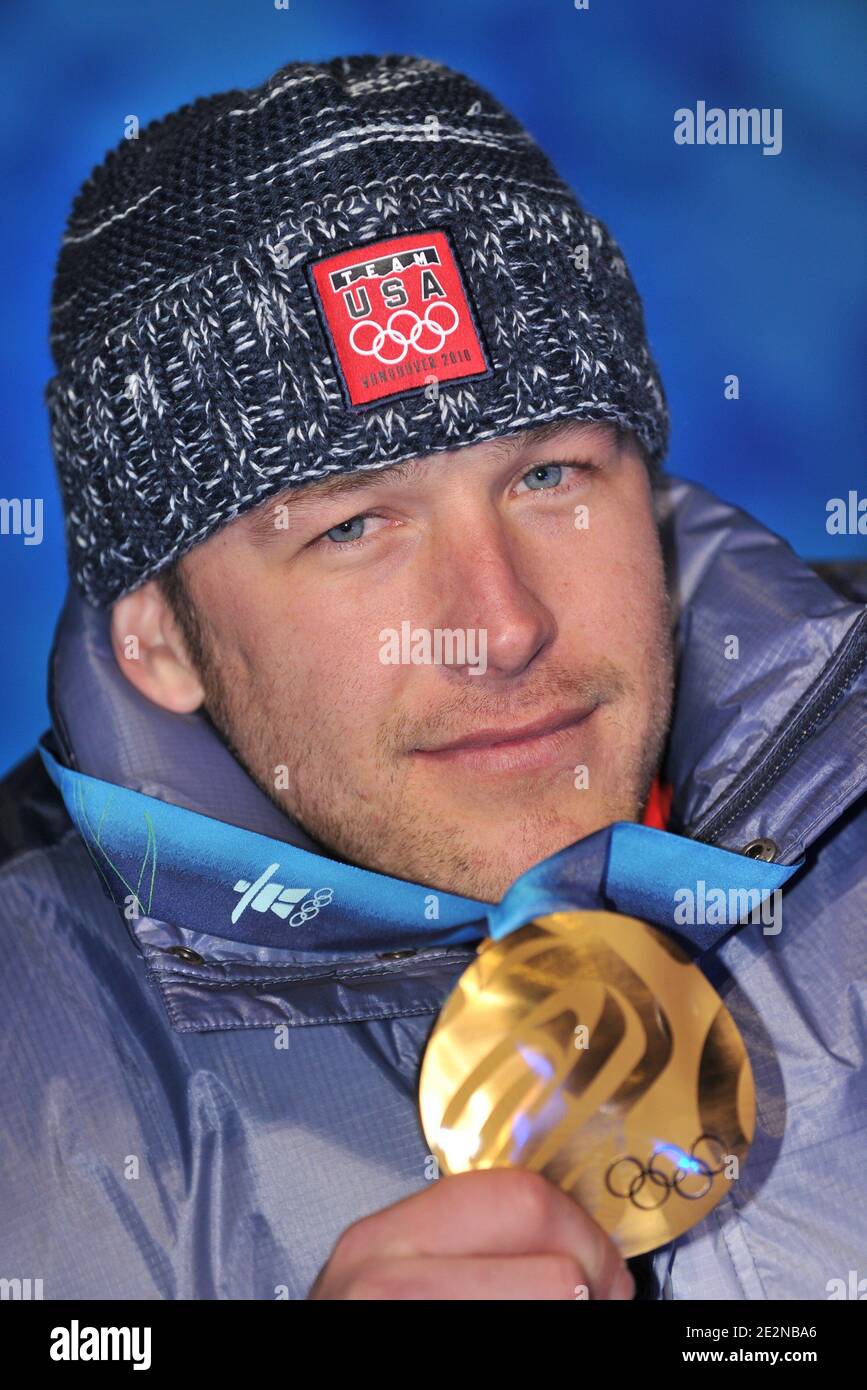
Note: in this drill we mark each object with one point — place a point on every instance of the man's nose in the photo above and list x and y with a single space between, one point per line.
485 585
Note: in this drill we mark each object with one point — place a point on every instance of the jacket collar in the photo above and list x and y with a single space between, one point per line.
770 686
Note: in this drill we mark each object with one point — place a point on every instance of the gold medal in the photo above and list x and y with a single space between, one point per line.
587 1047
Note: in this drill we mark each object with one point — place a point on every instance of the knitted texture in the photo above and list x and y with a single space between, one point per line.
199 363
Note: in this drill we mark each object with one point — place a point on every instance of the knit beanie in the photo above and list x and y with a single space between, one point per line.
358 262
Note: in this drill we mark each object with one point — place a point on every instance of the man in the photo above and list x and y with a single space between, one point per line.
360 443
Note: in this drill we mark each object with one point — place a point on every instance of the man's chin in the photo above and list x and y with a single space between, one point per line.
492 860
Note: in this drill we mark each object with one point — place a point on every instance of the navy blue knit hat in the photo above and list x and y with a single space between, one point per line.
359 262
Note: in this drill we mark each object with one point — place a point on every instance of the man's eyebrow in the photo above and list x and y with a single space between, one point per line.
300 499
263 525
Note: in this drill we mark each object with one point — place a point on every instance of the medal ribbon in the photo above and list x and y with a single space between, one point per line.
205 875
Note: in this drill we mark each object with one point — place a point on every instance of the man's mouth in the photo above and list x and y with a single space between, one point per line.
517 749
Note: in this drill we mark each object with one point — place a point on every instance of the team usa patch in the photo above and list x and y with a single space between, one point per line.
398 316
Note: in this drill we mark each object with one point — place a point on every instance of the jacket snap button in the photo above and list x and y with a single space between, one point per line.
760 849
393 955
184 953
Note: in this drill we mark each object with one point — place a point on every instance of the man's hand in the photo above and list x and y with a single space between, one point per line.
499 1234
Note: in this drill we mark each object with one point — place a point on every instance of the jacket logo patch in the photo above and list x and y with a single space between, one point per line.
398 316
265 896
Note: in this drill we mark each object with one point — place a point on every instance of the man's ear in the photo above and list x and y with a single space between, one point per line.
150 650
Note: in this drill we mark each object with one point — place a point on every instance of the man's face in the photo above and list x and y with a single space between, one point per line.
564 618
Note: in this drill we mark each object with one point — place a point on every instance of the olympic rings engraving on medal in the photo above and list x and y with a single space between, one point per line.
404 343
631 1188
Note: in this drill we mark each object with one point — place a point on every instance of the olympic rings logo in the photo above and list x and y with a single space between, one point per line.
403 342
691 1176
310 907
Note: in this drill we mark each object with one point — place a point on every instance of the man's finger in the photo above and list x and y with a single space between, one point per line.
505 1211
517 1278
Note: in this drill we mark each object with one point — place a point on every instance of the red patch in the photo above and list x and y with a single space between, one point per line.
398 316
658 808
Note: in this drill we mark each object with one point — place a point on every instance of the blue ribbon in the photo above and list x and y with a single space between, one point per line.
675 883
164 862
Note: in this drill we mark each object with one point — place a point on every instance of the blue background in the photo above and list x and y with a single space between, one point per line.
746 263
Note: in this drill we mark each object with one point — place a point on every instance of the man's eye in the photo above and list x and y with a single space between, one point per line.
351 530
547 475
